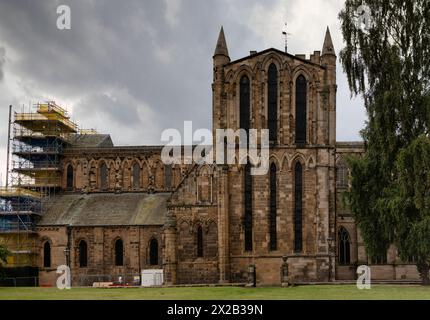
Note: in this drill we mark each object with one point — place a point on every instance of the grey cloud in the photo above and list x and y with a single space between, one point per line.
101 104
133 68
124 62
2 62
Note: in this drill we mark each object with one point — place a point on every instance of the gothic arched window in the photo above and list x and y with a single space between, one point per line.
153 252
136 176
168 176
344 246
298 207
119 253
69 176
47 255
272 102
83 254
104 177
301 95
244 104
160 177
199 241
247 195
272 206
341 174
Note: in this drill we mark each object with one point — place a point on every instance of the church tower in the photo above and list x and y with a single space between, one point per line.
288 212
285 216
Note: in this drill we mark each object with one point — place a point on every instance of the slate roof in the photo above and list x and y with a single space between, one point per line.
90 140
105 209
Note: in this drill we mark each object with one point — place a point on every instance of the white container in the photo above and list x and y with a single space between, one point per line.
152 277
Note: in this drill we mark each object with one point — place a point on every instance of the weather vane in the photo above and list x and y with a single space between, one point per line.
286 34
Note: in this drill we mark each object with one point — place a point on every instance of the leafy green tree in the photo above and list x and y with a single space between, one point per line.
3 254
386 59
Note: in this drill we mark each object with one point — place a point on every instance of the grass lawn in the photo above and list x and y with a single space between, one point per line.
222 293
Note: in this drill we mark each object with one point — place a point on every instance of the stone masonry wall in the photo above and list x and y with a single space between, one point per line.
101 260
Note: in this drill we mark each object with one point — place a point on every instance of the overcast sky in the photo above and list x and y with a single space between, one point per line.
133 68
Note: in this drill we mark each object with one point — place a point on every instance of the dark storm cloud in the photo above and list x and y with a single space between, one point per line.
132 68
162 58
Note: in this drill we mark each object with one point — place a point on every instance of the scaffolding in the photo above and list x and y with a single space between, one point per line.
37 144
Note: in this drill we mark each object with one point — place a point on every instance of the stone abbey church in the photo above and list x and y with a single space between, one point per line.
121 210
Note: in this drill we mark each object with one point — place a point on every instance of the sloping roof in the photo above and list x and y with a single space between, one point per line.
348 144
90 140
105 209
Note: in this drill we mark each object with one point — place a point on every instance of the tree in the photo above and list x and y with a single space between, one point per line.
3 254
408 204
386 61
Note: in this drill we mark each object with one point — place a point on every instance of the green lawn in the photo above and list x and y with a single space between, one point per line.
220 293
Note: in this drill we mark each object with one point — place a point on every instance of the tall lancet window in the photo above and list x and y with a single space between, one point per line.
244 104
301 109
298 207
136 176
272 102
83 254
119 253
69 180
168 176
199 241
47 255
104 178
247 196
344 246
272 206
153 252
